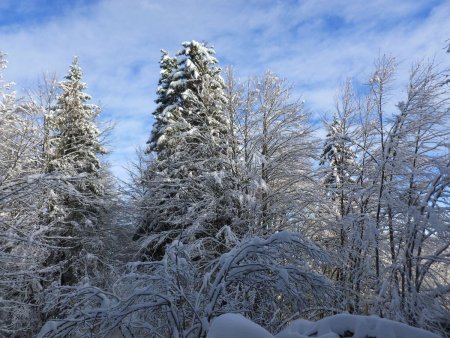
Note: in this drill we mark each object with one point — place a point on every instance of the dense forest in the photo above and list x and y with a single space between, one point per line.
234 205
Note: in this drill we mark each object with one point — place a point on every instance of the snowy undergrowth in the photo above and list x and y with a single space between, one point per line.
269 278
233 325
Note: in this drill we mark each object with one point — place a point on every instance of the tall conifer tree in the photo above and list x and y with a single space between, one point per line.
75 213
190 185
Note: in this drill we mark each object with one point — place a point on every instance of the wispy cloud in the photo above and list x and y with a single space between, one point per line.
314 44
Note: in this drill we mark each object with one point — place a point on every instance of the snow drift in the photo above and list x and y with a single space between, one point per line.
233 325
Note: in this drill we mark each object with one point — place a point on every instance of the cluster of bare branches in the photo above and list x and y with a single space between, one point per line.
390 194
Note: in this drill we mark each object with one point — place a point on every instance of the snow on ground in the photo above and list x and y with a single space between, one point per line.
237 326
233 325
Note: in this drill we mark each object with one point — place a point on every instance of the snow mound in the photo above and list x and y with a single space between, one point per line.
232 325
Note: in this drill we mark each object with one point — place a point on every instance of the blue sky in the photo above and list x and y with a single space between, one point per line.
314 44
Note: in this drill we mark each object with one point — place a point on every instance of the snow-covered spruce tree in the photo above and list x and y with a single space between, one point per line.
165 100
145 166
338 154
76 215
190 186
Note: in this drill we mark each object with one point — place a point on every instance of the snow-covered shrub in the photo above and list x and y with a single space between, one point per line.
267 279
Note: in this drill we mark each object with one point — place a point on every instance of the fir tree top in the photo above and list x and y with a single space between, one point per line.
75 137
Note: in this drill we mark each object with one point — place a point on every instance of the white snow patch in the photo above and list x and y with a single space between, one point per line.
232 325
237 326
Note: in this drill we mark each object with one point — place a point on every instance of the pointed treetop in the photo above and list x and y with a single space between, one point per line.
75 72
202 50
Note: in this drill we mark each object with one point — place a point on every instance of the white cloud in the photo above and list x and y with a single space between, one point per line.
314 44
